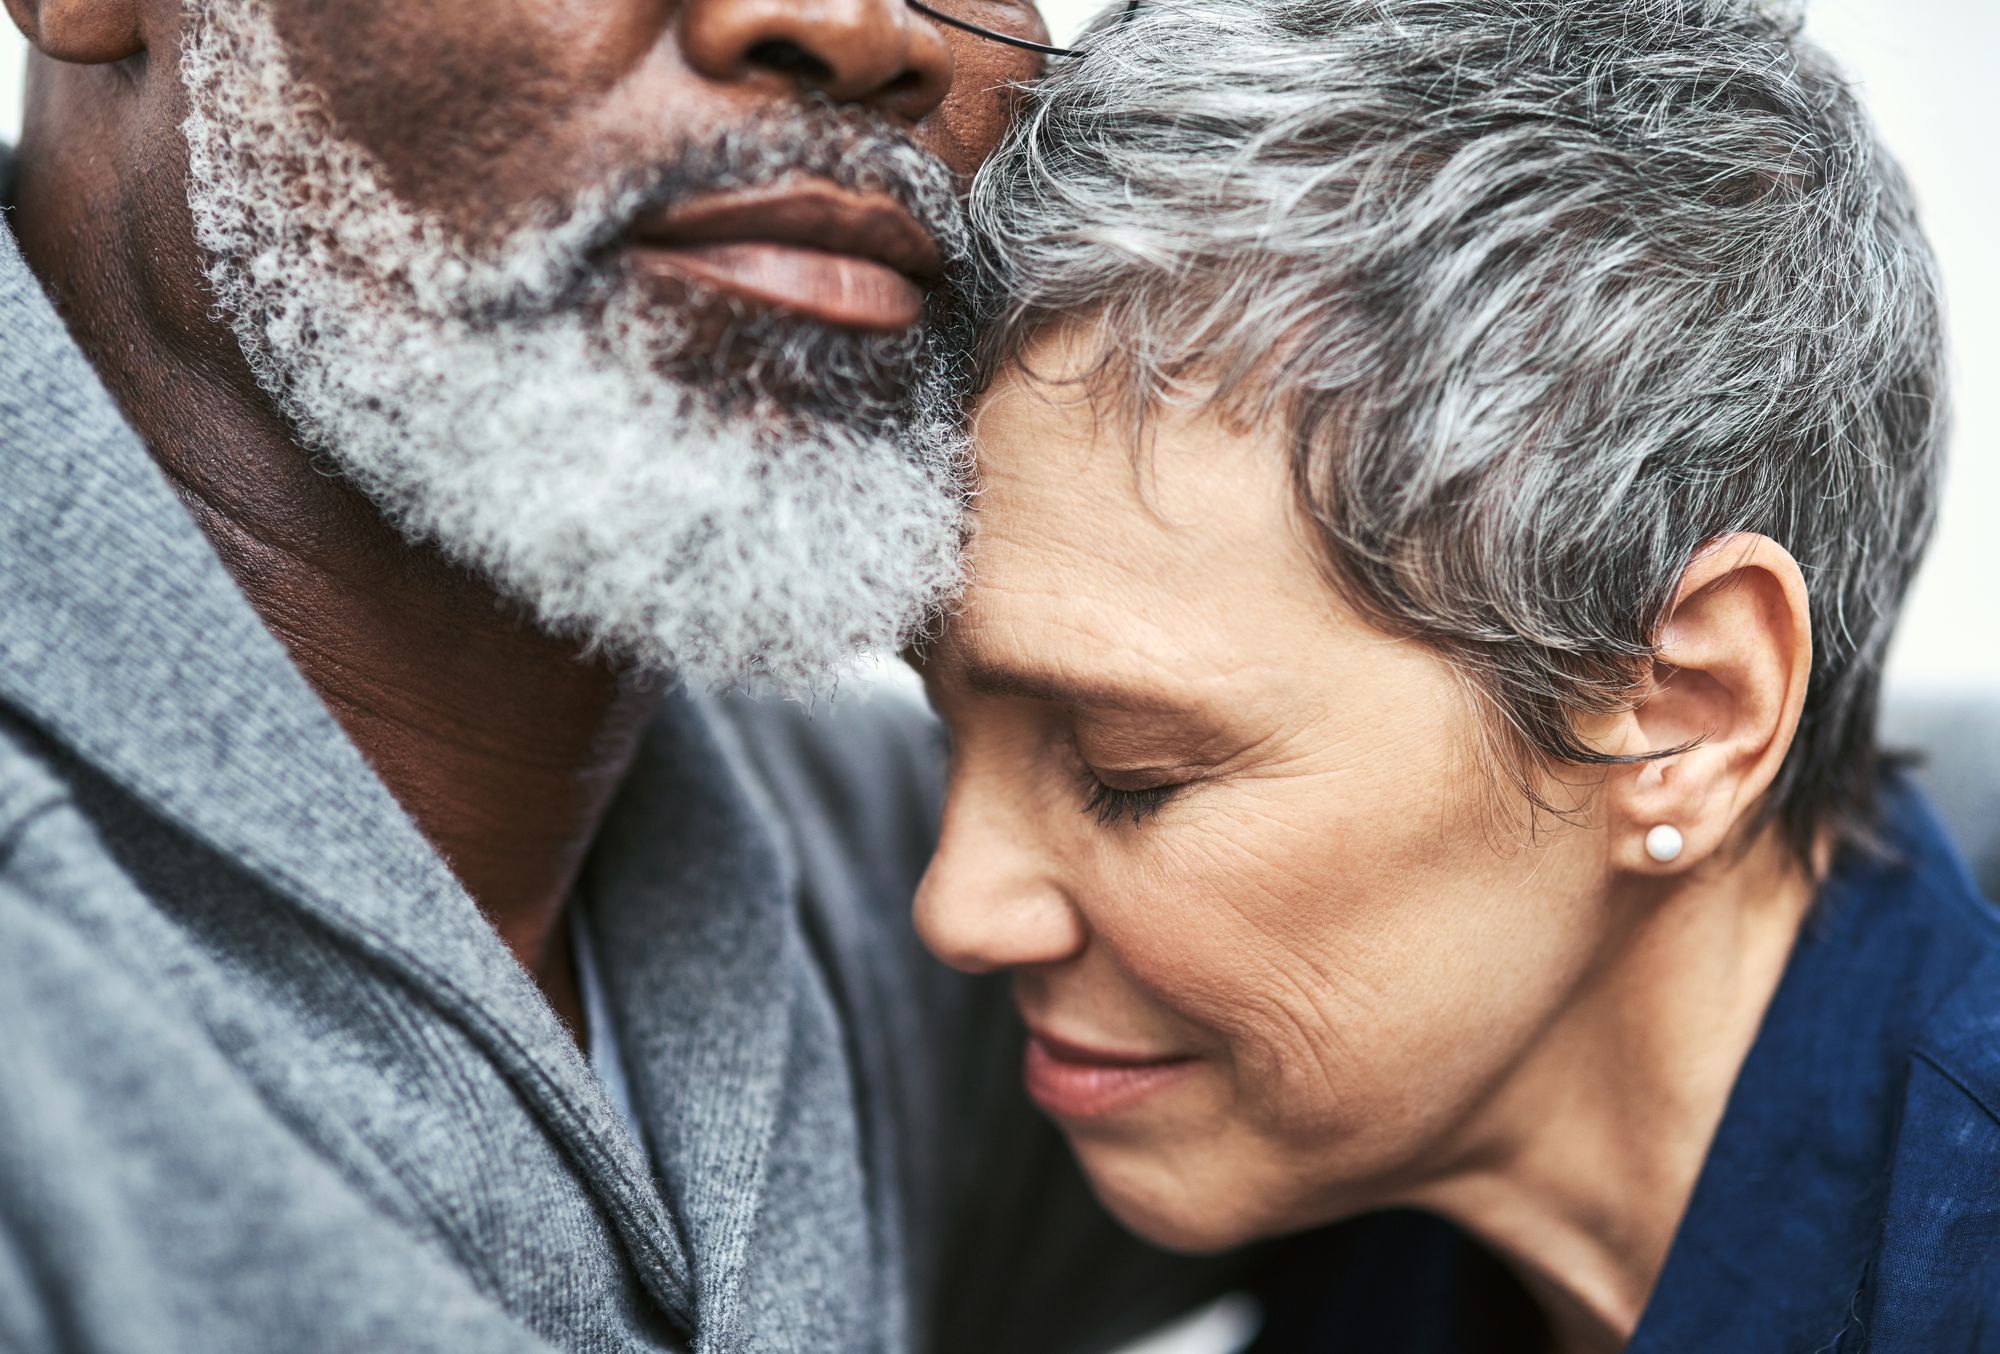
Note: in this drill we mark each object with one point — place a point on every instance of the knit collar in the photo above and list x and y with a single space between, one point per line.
124 638
1774 1248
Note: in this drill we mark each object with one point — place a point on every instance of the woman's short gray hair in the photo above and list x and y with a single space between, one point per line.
1547 293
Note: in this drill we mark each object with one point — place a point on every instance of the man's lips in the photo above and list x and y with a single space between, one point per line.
859 261
1078 1081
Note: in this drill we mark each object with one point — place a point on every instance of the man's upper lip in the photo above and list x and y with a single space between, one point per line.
1077 1051
806 215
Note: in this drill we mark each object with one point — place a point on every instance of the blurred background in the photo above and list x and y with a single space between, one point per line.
1923 66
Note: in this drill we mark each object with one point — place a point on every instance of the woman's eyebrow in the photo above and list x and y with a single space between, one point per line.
1062 688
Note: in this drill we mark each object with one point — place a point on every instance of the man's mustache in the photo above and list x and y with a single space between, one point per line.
855 152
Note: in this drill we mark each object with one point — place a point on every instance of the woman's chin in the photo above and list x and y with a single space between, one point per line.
1155 1199
1177 1228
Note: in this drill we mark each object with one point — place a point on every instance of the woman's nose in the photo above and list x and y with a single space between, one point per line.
880 53
988 901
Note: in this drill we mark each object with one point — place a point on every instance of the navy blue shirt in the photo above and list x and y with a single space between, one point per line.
1850 1201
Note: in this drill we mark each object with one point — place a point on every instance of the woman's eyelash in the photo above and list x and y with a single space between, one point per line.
1110 805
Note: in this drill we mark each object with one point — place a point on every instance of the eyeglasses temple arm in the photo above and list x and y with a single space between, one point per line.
975 29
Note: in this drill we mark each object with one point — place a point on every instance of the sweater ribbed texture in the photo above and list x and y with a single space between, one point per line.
269 1081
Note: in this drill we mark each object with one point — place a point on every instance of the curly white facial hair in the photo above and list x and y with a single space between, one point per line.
752 511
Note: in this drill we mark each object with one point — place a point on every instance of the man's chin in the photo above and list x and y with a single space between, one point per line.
764 549
765 363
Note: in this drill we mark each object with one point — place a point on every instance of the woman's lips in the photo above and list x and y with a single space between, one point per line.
1071 1081
857 262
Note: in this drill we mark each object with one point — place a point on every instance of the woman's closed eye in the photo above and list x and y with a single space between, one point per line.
1111 804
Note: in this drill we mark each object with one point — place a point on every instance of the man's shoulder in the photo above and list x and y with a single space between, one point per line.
64 881
43 847
154 1197
856 781
32 786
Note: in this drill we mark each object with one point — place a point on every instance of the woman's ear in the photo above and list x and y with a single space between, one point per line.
84 32
1735 655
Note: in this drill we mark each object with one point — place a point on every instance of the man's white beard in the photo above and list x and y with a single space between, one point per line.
517 407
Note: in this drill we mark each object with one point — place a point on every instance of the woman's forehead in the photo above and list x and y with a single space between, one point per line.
1137 563
1059 462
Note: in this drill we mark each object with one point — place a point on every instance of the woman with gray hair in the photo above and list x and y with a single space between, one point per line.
1449 470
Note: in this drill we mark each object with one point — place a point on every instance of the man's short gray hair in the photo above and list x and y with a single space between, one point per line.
1547 293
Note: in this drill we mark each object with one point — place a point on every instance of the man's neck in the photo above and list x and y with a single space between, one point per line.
501 742
1580 1167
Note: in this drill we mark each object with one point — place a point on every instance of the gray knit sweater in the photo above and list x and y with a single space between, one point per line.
269 1081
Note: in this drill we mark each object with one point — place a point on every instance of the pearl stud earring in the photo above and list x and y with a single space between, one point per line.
1663 843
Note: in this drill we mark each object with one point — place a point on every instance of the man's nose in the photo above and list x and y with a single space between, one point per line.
880 53
989 900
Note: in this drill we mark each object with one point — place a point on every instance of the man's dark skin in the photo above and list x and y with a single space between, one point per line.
503 745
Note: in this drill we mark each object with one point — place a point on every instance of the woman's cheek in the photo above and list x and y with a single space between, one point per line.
1218 925
1260 930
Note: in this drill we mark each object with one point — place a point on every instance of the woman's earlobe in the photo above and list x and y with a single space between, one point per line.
1723 703
82 32
1666 816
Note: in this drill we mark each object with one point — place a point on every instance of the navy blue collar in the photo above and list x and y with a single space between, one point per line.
1778 1237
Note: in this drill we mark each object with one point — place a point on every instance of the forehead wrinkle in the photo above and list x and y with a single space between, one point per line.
1014 656
1218 718
1053 546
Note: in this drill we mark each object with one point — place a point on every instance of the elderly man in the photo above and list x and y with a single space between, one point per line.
401 408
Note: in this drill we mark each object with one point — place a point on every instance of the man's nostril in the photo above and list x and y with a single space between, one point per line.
789 59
